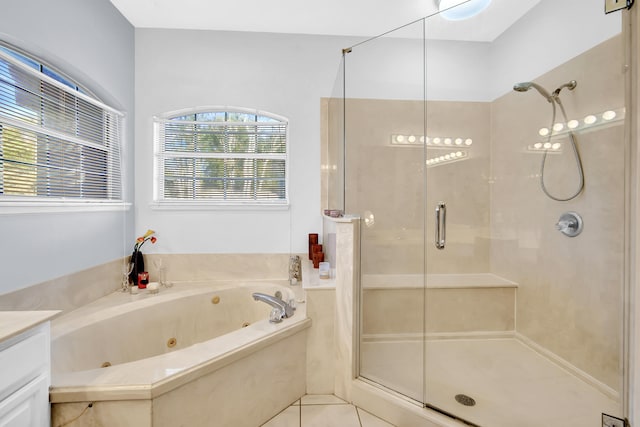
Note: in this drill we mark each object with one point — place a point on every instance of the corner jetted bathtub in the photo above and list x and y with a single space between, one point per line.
147 358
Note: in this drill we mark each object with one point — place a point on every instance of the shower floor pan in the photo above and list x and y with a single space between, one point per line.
512 384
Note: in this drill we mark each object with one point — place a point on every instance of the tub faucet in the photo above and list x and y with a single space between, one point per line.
281 309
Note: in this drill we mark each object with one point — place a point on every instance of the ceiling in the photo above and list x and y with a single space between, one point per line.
360 18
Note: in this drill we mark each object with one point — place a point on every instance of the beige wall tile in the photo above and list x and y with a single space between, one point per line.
321 306
571 289
402 311
68 292
180 267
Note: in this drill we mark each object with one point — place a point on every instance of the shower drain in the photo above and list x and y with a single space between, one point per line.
465 400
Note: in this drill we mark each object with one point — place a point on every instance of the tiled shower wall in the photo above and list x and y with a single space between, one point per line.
570 295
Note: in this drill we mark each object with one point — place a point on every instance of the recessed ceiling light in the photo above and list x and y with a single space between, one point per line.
458 10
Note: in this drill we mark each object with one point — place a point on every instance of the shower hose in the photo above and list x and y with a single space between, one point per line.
555 99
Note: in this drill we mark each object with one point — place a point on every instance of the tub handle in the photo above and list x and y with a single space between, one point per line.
441 225
281 309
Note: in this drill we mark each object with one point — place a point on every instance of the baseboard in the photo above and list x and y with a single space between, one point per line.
564 364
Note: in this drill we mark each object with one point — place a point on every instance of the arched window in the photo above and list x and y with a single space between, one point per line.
221 156
57 142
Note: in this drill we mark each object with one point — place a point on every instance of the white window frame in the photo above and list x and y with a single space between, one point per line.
162 203
21 204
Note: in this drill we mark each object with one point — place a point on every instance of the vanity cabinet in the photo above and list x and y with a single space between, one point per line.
27 407
25 376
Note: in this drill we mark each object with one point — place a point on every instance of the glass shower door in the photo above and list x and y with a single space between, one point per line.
475 301
384 184
523 316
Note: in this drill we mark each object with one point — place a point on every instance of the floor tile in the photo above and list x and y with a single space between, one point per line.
290 417
329 416
368 420
296 403
322 399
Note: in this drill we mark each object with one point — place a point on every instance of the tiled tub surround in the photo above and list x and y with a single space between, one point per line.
83 287
68 292
242 377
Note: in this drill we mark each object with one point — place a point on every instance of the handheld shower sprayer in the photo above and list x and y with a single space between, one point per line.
525 86
554 99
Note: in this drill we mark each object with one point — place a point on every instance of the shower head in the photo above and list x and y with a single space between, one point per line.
571 85
525 86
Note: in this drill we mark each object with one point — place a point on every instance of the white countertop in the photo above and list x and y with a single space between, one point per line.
13 323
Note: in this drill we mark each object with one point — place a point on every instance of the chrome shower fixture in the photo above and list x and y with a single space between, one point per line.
554 100
571 85
525 86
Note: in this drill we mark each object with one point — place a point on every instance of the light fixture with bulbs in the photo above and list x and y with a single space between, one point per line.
454 156
434 142
458 10
589 123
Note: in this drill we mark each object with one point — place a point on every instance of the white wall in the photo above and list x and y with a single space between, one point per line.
391 68
282 74
93 43
545 38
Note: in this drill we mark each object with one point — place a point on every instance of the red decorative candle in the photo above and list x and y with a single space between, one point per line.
313 240
143 280
318 257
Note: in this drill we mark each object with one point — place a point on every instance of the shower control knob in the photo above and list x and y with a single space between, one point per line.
570 224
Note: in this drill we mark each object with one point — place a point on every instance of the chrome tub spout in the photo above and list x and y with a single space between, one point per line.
281 309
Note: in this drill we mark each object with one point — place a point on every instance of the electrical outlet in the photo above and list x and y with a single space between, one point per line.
610 421
613 5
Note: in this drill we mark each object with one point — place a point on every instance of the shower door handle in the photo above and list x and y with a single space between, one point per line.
441 225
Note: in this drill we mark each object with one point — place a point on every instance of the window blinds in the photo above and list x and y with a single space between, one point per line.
222 157
55 142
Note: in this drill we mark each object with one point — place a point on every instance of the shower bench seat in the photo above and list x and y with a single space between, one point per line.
397 306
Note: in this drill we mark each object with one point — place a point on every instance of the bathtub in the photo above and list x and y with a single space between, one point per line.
191 354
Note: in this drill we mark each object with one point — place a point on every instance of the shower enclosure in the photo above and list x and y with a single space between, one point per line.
473 301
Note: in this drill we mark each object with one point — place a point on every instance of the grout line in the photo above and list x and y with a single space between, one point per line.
325 404
358 413
300 414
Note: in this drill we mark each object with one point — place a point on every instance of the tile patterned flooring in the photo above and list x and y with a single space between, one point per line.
324 411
